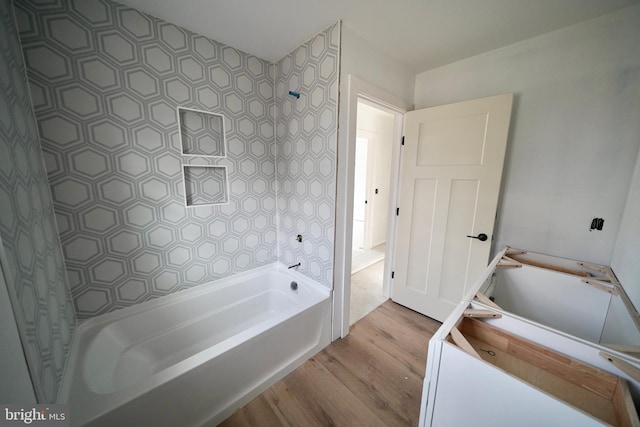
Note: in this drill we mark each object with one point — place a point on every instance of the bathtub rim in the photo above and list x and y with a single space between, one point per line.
195 291
72 369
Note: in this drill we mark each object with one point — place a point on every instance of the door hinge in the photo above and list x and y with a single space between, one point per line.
402 143
397 211
393 274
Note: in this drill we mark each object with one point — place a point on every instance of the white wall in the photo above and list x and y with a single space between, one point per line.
626 255
574 133
363 60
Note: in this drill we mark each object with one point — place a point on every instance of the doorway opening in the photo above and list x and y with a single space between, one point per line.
375 134
357 90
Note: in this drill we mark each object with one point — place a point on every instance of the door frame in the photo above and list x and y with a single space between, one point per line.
362 90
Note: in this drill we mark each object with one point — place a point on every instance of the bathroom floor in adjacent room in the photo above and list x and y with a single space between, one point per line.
367 275
363 258
366 291
373 377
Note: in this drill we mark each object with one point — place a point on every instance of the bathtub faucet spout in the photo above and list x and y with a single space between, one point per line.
294 266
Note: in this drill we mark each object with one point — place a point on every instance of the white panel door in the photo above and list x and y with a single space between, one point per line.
450 181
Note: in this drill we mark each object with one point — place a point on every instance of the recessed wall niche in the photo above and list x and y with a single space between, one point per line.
202 133
205 185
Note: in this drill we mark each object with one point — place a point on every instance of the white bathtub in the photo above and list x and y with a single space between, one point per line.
195 357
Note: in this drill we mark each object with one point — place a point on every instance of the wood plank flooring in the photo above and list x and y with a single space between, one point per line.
373 377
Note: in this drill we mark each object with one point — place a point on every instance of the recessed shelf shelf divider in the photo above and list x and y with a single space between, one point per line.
202 135
205 185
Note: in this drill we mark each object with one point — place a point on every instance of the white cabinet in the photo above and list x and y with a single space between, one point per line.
532 354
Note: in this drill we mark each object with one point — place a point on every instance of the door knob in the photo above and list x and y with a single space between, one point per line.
482 237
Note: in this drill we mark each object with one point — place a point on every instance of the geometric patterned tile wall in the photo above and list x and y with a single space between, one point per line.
30 256
306 135
106 81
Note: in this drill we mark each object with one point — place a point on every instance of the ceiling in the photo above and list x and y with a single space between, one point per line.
421 34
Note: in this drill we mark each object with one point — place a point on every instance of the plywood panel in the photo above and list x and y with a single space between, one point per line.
471 392
563 366
545 380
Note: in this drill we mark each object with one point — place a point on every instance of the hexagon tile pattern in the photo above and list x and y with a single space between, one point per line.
32 264
306 135
106 81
